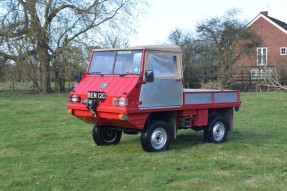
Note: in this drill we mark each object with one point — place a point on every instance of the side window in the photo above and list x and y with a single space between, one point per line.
163 66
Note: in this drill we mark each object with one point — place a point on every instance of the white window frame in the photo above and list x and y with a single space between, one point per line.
282 51
261 57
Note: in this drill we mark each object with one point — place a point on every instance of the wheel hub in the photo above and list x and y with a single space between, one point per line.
109 135
158 138
218 131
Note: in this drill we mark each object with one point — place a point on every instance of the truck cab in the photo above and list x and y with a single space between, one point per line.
140 90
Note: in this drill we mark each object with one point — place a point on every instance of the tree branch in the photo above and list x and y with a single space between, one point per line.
73 7
91 26
7 56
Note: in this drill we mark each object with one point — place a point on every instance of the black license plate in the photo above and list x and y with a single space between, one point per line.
101 96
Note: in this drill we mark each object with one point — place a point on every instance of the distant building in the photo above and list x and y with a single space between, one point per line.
273 50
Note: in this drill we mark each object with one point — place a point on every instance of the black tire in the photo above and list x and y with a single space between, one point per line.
216 131
156 137
103 135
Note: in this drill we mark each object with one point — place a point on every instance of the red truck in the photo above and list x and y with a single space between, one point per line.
140 90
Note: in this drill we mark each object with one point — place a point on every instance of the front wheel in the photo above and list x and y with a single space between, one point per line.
216 131
156 137
103 135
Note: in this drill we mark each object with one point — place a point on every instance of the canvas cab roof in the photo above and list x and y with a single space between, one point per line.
164 48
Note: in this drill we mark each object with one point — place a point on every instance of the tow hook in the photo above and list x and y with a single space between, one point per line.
91 105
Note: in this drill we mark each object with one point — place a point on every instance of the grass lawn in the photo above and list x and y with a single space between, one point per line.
43 148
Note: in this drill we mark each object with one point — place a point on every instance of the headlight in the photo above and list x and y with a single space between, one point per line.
75 99
120 102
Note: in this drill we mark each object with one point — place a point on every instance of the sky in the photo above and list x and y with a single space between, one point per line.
163 16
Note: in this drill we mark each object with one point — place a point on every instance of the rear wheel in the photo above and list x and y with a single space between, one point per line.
216 131
156 137
103 135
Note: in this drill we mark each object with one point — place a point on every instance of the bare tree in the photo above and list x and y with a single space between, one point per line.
47 28
115 39
226 39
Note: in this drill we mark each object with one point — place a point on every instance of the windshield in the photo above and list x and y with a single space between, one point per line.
116 62
102 62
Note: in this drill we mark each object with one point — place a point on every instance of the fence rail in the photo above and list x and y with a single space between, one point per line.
247 78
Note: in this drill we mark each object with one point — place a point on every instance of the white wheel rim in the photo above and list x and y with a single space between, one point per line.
158 138
218 131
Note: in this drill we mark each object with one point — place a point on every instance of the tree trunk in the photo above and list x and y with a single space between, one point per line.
62 84
44 59
42 46
45 69
46 81
13 84
57 80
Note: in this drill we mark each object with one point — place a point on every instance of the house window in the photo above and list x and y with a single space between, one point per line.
283 51
262 56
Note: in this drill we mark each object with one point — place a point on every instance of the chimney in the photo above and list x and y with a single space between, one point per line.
264 13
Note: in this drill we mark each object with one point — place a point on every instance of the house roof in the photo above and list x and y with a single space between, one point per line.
277 23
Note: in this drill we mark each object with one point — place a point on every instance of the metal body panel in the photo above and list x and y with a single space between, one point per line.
225 97
197 98
192 96
161 93
112 85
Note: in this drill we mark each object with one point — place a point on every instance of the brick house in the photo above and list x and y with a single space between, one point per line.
272 52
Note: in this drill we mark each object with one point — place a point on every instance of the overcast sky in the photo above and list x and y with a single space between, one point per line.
165 15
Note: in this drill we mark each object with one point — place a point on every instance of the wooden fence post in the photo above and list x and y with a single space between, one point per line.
242 84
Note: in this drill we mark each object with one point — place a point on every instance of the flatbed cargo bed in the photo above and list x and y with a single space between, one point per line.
206 96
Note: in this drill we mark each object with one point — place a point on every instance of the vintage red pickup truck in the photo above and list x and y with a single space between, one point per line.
140 90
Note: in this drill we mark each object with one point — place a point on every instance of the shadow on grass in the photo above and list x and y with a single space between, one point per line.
187 140
246 136
182 141
192 139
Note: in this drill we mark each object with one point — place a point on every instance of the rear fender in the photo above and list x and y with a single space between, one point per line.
168 117
227 113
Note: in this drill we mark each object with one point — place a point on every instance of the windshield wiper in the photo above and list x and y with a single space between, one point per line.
95 73
127 73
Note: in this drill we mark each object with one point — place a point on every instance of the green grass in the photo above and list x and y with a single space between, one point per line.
26 86
43 148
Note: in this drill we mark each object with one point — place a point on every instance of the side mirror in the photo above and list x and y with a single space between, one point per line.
149 76
78 76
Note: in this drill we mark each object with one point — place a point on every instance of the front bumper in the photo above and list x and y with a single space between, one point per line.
109 117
